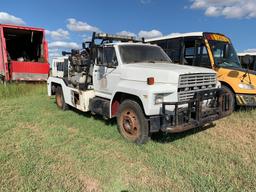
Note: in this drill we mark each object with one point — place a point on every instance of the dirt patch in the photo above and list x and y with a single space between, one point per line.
89 184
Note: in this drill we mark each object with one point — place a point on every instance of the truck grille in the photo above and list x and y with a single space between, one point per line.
191 83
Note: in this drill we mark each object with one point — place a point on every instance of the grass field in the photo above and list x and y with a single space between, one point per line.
45 149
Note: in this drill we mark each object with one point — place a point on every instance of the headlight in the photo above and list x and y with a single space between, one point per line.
159 98
246 86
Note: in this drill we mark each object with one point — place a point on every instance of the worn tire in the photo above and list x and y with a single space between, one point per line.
132 123
233 100
60 101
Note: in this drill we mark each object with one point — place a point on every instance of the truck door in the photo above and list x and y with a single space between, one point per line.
106 74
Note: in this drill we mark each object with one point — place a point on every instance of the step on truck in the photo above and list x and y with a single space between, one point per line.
124 78
23 54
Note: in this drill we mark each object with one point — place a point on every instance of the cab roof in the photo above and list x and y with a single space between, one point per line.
129 43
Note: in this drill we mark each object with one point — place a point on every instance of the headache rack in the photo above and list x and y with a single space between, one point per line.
111 38
104 38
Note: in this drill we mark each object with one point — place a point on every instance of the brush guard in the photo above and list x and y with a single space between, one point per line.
198 111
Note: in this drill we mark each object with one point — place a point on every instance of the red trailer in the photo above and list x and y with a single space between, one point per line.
23 54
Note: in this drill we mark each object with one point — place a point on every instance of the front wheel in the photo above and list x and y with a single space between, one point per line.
132 123
232 97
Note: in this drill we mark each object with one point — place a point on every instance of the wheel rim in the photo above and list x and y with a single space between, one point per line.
130 123
59 100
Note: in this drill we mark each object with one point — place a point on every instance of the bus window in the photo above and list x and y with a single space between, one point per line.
162 44
205 60
189 55
196 54
189 52
224 54
173 49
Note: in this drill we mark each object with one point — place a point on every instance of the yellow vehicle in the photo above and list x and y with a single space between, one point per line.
213 50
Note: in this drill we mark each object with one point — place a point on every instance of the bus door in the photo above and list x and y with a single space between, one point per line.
195 52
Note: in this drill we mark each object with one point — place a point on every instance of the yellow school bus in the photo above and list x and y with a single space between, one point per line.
213 50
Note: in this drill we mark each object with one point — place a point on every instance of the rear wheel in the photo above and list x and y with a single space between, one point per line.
232 96
60 101
132 123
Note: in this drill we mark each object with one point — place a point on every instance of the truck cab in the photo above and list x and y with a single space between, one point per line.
139 85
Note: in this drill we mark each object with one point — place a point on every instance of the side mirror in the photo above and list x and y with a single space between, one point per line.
247 60
64 53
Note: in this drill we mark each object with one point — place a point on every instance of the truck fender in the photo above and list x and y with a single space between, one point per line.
117 100
52 84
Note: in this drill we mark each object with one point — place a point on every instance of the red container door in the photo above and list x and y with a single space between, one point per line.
3 58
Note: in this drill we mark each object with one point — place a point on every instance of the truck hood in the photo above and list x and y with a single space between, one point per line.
162 72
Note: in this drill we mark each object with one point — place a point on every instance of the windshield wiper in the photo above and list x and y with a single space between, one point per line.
247 73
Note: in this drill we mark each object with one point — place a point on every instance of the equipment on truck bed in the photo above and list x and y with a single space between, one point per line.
80 61
78 68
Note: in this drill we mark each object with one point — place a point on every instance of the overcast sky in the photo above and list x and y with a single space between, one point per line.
69 23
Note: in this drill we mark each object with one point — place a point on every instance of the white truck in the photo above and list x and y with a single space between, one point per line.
139 85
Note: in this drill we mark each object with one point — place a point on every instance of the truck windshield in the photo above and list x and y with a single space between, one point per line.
142 54
224 54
